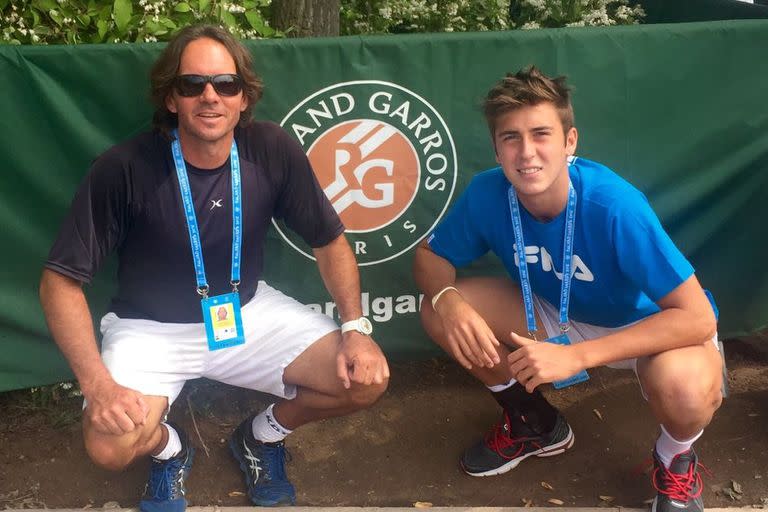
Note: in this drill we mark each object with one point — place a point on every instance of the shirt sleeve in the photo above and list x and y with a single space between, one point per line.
302 203
94 225
646 254
458 238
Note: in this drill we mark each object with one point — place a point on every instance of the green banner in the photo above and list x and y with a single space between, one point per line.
394 130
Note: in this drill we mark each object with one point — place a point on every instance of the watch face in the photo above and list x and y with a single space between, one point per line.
365 325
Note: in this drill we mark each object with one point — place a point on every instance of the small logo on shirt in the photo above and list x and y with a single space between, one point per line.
216 203
384 158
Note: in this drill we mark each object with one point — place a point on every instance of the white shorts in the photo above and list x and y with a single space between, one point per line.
579 331
157 358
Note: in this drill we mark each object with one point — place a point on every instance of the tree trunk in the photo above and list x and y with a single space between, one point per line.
307 18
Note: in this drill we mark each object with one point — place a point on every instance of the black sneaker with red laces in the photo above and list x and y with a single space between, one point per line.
679 487
510 442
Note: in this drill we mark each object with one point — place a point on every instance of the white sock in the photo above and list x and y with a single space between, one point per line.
502 387
667 446
267 429
172 447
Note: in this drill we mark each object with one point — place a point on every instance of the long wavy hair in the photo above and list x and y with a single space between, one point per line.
166 68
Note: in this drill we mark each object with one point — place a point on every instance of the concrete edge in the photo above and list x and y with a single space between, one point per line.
395 509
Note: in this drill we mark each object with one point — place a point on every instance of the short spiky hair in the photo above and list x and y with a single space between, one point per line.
166 68
528 86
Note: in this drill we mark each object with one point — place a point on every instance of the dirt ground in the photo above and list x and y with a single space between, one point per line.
405 449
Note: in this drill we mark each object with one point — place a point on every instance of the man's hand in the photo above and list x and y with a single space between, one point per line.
115 409
360 360
537 363
470 340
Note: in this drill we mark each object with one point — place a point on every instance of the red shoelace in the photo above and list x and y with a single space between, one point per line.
500 440
678 486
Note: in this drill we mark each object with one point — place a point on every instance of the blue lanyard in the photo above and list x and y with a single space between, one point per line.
525 282
189 214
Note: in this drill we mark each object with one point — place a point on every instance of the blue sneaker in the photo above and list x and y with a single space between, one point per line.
264 468
165 489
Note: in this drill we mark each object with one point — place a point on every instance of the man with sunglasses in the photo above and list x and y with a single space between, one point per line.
186 208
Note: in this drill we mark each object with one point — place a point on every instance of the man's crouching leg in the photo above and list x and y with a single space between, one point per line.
319 390
116 452
683 388
257 443
168 446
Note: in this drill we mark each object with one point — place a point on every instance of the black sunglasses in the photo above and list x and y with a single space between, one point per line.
194 85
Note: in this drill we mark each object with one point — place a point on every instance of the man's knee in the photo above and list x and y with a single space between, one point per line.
362 396
115 453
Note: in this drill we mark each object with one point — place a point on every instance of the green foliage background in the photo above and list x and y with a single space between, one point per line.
114 21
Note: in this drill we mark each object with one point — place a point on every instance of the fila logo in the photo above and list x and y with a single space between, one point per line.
384 158
534 254
216 203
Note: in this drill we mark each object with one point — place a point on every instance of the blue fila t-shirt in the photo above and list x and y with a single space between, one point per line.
623 259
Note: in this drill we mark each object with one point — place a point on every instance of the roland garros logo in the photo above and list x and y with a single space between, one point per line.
385 159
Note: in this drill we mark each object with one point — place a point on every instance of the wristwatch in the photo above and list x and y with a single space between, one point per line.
362 325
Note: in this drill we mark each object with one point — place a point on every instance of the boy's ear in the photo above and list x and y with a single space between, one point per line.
571 141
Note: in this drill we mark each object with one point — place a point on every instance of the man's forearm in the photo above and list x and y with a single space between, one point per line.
338 268
70 323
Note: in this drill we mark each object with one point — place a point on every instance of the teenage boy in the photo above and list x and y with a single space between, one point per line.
629 298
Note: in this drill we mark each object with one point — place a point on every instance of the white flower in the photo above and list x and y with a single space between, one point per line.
540 5
531 25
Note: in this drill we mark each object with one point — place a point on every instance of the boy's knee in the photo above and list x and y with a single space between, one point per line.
686 396
431 323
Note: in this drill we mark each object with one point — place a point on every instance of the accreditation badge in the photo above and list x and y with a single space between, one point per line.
223 322
574 379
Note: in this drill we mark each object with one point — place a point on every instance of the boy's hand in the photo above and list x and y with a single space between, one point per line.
470 340
537 363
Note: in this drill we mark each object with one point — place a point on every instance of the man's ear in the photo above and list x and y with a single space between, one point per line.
170 103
